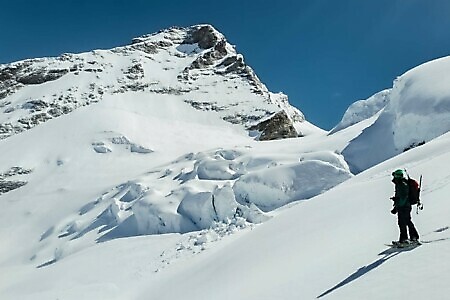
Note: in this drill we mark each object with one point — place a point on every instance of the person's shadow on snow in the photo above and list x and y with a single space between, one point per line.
386 255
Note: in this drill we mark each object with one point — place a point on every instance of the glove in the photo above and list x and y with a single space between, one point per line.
394 211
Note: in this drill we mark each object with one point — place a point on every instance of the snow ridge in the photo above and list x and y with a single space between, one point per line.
418 111
363 110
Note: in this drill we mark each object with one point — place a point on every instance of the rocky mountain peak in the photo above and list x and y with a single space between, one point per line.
205 36
195 64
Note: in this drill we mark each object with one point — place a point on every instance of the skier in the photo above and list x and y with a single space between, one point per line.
402 208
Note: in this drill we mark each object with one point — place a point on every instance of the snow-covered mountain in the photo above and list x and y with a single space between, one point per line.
415 111
140 173
195 65
362 110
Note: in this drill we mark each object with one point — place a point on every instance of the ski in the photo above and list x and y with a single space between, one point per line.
408 244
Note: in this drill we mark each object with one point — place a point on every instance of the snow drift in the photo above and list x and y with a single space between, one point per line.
277 186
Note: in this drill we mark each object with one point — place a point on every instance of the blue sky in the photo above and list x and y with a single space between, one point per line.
324 54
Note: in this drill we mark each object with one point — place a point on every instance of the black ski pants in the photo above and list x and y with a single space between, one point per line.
405 224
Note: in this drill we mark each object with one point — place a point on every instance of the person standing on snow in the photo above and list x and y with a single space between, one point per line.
402 208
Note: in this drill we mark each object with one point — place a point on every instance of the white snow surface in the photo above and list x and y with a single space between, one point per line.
362 110
418 111
140 196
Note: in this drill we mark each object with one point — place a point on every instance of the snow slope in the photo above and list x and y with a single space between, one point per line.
417 112
118 192
330 246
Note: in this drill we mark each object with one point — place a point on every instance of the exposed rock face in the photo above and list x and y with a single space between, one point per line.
277 127
41 76
8 82
211 57
9 185
220 55
135 72
204 36
14 77
148 48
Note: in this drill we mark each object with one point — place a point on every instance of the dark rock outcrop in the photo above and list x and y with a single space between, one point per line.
41 76
9 185
204 36
147 47
16 76
216 50
279 126
210 57
135 72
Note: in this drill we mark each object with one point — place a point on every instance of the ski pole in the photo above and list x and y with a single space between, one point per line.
420 205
